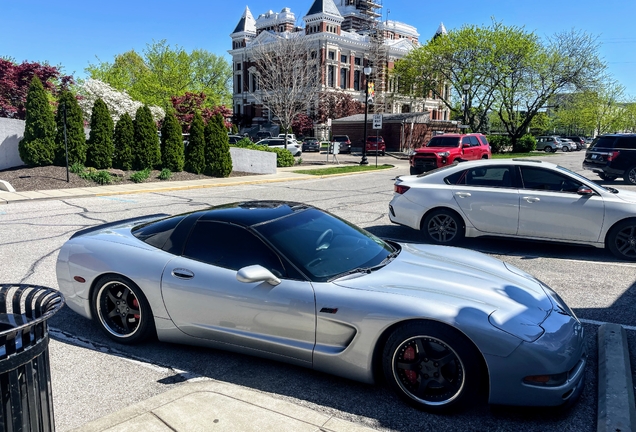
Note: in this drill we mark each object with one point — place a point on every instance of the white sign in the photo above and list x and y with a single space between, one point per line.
329 122
377 121
336 147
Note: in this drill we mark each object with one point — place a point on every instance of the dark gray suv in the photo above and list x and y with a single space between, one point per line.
613 156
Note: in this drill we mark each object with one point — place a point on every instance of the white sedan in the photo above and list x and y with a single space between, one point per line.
526 199
292 144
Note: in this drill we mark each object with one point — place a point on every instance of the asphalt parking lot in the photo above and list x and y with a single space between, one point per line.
93 377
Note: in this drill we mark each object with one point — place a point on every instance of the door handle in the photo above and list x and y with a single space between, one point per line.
531 199
462 194
182 273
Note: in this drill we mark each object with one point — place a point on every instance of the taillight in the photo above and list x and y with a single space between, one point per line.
400 188
613 155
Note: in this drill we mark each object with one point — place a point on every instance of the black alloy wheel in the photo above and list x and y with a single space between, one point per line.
630 176
621 240
443 227
432 366
547 149
121 310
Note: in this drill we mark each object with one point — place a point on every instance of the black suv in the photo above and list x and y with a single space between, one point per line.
613 156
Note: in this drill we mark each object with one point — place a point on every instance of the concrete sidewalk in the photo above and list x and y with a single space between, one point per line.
213 405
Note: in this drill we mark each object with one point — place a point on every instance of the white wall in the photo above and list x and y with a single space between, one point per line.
11 132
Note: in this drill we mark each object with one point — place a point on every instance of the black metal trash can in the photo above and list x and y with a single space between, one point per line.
25 374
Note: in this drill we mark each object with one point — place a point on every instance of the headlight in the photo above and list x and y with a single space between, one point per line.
412 153
443 154
561 306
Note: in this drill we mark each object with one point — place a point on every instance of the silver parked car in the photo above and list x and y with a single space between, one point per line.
526 199
290 282
549 144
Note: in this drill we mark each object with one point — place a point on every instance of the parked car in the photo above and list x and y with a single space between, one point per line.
344 143
311 144
376 145
289 136
579 140
262 135
235 138
446 149
293 147
569 145
613 156
525 199
549 144
290 282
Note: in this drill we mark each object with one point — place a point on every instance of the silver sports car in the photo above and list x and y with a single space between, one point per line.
288 281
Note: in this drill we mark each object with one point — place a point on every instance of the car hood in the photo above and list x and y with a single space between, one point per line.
513 300
627 196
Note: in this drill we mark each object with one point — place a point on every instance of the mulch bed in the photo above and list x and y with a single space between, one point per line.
25 178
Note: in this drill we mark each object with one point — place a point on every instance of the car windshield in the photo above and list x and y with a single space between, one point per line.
374 139
325 247
443 142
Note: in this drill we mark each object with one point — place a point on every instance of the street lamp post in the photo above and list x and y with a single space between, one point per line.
466 87
367 72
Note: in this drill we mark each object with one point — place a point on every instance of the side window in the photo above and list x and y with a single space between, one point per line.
626 143
465 140
473 141
454 178
230 246
542 179
492 176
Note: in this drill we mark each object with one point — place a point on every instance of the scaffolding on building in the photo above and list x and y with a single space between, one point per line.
372 26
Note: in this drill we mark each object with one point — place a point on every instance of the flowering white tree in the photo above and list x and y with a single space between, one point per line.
117 102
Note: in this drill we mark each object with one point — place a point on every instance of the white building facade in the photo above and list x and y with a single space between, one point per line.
341 29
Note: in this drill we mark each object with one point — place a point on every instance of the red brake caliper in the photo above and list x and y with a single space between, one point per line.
409 354
136 305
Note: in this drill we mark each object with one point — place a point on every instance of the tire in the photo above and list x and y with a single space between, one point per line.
131 325
565 149
605 177
443 227
383 153
630 176
432 367
547 149
485 156
621 240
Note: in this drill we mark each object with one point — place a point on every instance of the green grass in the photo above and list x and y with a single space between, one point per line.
519 155
343 169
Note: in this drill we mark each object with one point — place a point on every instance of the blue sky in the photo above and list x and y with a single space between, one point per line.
74 33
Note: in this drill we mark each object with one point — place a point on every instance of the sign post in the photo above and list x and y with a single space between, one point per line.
377 125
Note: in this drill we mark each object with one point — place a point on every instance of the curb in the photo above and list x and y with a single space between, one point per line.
616 410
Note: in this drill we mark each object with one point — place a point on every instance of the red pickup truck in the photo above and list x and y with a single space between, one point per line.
445 149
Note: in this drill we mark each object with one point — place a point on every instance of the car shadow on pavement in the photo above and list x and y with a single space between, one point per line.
526 249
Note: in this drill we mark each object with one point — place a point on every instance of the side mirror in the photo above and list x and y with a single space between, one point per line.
584 190
256 273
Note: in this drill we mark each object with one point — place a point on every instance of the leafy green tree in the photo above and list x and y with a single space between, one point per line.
162 72
69 108
195 151
504 69
218 161
124 141
37 146
146 152
99 148
172 156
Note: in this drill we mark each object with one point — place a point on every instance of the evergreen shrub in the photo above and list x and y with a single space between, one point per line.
146 150
172 156
75 137
37 146
195 150
99 148
124 141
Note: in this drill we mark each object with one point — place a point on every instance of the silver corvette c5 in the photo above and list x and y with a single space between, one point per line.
290 282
